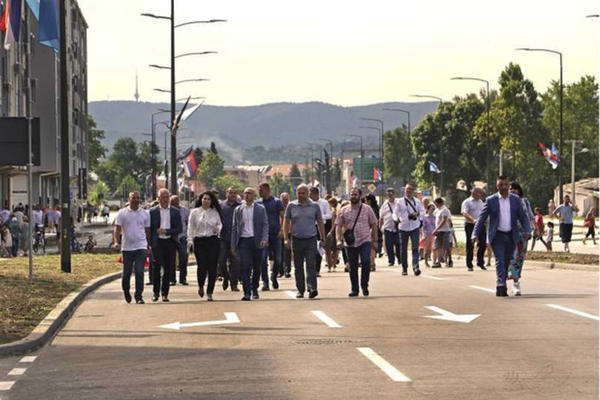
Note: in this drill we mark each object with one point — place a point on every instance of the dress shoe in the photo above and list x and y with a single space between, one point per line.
209 297
173 283
246 297
404 272
155 298
235 289
417 271
184 283
255 295
299 295
390 264
265 288
483 268
149 284
275 283
225 284
353 294
501 291
318 274
165 299
201 291
449 264
127 297
313 294
436 265
366 292
470 269
140 301
288 275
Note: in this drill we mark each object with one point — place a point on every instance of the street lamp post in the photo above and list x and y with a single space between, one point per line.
441 160
412 155
173 128
381 138
362 155
328 166
574 143
487 123
560 168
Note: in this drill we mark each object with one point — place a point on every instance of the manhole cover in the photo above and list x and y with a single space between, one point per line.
324 341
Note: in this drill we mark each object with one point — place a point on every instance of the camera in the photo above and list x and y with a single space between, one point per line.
412 217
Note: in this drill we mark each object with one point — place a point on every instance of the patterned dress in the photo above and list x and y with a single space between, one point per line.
518 258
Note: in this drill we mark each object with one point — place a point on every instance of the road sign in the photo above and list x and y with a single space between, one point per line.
372 188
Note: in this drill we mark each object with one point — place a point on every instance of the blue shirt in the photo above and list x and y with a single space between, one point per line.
274 207
227 210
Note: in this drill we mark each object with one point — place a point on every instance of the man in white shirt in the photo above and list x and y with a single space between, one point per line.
315 197
133 225
182 249
410 212
389 224
471 209
165 227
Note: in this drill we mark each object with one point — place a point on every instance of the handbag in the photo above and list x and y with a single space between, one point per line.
396 222
349 233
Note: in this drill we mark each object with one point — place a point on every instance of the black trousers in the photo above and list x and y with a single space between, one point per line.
206 250
229 264
470 248
164 258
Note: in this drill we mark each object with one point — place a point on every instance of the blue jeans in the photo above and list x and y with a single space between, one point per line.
134 261
414 239
251 258
364 251
392 246
183 259
503 247
15 246
275 248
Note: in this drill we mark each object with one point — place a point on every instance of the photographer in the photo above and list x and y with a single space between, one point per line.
410 212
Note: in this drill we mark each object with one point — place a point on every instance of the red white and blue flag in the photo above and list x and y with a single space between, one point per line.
189 164
551 155
377 174
10 23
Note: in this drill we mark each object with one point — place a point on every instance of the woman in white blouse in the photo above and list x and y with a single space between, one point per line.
204 227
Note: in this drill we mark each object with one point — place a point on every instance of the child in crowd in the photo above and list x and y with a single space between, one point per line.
428 227
538 226
6 242
90 244
550 235
590 223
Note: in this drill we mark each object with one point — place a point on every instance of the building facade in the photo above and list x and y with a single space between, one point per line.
45 89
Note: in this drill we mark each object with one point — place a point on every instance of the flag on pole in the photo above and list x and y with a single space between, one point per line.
49 25
12 23
551 155
189 165
4 19
434 168
377 174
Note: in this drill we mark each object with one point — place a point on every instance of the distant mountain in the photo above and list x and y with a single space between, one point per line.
236 128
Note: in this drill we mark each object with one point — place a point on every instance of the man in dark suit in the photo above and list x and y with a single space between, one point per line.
165 227
503 209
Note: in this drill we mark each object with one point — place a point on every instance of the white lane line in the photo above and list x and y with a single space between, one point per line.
432 277
291 294
325 318
385 366
570 310
28 359
482 288
17 371
6 385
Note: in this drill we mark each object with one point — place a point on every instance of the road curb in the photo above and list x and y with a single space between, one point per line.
55 320
552 265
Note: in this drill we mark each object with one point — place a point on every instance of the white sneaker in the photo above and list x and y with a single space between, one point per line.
516 288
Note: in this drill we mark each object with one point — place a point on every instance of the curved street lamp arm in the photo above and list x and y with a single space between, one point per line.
536 49
162 90
195 54
192 80
155 16
210 21
158 66
466 78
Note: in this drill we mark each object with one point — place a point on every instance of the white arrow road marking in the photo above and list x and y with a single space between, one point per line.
449 316
230 318
385 366
570 310
28 359
432 277
482 289
6 385
328 321
17 371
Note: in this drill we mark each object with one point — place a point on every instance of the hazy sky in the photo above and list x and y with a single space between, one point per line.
341 52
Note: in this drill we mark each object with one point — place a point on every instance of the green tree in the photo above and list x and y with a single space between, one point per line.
211 167
224 182
198 155
128 184
580 122
99 193
279 184
336 175
213 148
397 154
96 151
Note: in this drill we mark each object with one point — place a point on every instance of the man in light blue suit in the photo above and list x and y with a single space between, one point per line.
503 210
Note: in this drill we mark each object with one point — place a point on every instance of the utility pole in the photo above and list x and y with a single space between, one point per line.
29 112
65 176
173 104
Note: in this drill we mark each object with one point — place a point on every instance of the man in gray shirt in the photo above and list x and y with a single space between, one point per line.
471 209
565 213
302 217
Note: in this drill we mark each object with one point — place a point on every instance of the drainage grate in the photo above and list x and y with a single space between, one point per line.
323 341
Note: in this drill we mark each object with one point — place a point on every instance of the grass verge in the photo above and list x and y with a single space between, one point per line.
548 256
23 306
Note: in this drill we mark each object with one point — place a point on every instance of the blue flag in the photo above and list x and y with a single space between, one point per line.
49 31
434 168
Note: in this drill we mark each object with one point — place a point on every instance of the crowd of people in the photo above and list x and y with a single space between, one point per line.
14 227
254 239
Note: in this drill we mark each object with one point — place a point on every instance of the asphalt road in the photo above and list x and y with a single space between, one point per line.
518 347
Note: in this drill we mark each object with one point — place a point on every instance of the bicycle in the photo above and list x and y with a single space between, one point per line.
39 240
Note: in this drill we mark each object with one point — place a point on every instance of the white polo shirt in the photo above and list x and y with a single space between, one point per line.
133 225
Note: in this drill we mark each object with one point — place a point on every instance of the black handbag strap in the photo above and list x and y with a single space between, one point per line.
409 203
357 215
